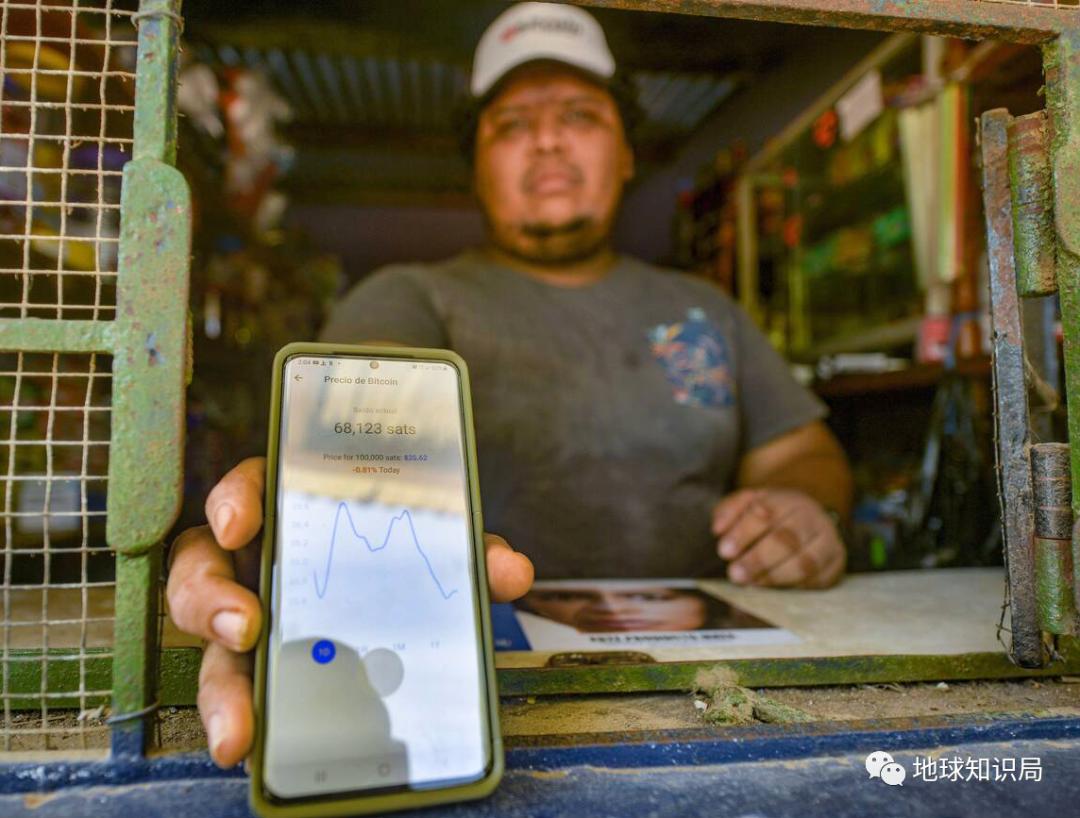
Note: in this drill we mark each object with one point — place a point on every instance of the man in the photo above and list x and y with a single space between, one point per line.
630 421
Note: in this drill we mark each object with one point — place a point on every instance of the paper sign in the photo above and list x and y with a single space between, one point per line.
860 106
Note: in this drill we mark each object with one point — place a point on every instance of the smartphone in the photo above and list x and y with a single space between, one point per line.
374 682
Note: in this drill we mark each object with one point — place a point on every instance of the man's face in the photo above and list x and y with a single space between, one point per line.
597 610
551 161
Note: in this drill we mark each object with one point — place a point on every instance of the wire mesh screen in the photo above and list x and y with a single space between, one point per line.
66 122
66 113
57 569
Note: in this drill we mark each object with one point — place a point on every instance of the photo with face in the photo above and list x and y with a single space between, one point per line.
612 609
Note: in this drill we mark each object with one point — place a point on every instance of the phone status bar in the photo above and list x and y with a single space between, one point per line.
374 363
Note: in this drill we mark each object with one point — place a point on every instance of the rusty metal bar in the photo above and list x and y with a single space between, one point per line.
1032 203
33 334
150 363
1052 486
788 672
1061 63
150 358
179 672
1053 585
135 652
149 371
1010 394
1053 535
972 19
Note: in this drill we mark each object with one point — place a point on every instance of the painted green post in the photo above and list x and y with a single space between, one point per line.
1061 60
1052 541
150 331
1032 205
1012 433
149 369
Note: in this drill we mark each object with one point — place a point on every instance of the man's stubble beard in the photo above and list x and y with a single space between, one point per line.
553 245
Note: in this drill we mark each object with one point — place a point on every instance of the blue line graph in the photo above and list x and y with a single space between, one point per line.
404 515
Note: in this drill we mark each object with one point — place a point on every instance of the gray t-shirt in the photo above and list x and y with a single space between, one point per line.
610 418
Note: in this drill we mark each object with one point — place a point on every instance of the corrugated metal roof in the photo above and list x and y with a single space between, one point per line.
372 116
417 94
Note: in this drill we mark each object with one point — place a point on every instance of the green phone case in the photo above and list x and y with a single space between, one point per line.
334 805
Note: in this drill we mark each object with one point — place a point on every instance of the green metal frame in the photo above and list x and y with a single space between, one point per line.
149 369
148 345
1057 30
971 19
1061 57
178 674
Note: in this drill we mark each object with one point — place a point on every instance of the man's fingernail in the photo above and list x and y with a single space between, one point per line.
736 573
231 627
222 517
215 732
727 549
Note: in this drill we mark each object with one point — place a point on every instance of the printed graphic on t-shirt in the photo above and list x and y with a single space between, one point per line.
695 358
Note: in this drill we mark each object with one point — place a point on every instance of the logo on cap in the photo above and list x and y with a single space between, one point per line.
547 24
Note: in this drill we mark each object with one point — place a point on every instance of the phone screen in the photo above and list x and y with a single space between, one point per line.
376 674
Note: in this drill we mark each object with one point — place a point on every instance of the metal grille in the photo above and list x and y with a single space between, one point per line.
57 569
66 111
66 122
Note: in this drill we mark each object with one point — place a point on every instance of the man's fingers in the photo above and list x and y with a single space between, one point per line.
776 547
510 574
780 560
803 564
225 704
728 510
830 572
234 507
204 598
756 519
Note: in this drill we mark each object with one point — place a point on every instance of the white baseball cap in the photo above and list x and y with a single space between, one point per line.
540 31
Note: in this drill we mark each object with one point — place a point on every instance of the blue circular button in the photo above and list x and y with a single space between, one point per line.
323 651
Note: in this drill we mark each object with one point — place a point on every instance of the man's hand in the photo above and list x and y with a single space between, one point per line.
211 593
778 537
